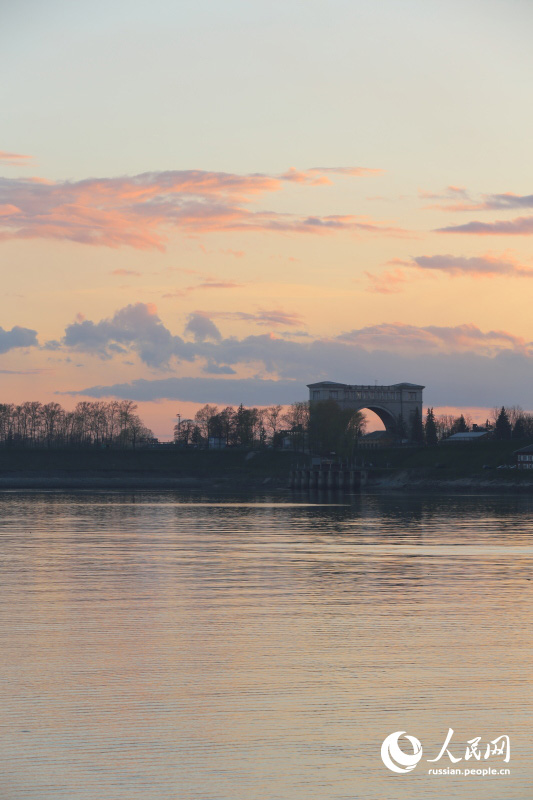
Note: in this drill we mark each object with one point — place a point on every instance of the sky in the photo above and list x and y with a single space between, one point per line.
221 202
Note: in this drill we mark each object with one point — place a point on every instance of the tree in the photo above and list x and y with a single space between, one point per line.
430 429
401 428
245 421
183 432
90 424
519 429
417 428
227 421
459 425
273 420
296 418
503 429
333 429
203 419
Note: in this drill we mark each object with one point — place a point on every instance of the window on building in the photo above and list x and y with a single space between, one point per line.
333 394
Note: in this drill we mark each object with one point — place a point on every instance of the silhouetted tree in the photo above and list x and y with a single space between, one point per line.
89 424
401 428
503 429
183 432
459 425
273 415
417 428
333 429
203 419
519 429
296 418
430 428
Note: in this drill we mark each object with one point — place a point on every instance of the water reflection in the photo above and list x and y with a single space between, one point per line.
162 646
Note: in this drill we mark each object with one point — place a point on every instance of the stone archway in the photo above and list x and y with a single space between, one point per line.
391 403
385 416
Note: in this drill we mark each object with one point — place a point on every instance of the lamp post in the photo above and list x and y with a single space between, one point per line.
179 426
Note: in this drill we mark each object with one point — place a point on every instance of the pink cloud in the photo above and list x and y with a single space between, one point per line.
262 317
388 282
14 159
477 266
140 211
208 284
125 272
347 171
432 338
458 199
521 226
7 210
485 266
234 253
321 175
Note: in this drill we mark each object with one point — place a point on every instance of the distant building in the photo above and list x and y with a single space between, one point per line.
375 439
524 457
468 437
390 403
216 443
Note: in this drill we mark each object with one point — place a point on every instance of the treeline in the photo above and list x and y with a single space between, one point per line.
244 427
321 427
90 424
324 427
504 424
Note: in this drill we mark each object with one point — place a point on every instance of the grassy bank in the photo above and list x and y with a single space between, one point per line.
459 464
167 468
476 463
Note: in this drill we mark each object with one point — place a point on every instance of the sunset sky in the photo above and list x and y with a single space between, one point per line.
224 201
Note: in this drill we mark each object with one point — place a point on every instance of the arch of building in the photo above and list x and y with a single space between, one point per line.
385 416
390 403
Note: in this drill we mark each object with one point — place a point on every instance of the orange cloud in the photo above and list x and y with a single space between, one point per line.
347 171
521 226
13 159
456 198
8 210
125 272
477 266
139 211
485 266
388 282
460 338
263 317
208 284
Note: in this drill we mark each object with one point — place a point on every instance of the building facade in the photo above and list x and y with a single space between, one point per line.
390 403
524 457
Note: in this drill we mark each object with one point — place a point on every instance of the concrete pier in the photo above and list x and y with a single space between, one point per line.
327 477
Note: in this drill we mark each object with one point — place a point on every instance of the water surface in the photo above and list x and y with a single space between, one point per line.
164 647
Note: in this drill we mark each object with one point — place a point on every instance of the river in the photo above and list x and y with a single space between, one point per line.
170 647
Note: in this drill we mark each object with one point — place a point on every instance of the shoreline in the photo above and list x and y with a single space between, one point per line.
400 483
137 481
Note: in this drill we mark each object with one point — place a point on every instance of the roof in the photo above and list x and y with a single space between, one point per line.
528 449
408 386
376 435
324 383
466 436
346 385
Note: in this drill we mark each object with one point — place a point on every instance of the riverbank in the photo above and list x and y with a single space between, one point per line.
445 468
144 469
481 466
